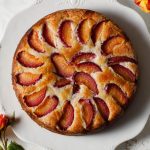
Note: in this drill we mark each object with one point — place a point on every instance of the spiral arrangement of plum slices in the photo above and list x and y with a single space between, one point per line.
74 71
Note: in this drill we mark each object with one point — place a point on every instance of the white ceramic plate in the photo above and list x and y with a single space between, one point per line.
136 116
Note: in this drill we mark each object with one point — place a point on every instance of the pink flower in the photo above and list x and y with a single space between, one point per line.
3 121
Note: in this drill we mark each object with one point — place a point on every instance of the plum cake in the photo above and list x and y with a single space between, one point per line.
74 71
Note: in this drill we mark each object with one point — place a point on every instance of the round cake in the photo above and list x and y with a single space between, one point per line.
74 71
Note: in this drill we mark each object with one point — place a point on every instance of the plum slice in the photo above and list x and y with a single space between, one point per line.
84 30
49 104
62 82
88 67
109 45
48 35
102 107
120 59
66 33
36 98
85 79
87 111
116 92
81 56
62 67
34 41
28 60
97 31
27 78
124 72
67 116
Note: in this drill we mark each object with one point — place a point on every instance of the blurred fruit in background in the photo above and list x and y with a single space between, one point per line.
144 5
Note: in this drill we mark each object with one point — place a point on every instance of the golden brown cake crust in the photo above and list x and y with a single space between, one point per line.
74 71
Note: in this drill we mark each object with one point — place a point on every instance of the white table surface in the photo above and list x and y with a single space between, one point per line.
8 8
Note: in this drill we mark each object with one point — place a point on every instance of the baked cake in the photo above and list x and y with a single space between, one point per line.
74 71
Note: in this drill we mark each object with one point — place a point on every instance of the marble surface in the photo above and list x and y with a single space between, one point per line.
8 8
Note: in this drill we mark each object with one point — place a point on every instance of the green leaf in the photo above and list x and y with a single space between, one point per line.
1 147
14 146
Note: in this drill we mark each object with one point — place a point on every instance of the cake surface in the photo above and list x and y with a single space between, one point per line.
74 71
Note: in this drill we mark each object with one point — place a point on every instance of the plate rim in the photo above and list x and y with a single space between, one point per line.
114 2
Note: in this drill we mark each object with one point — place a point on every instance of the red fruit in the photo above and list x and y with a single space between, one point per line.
124 72
88 67
66 33
87 111
109 45
82 57
84 30
120 59
97 31
148 5
67 116
49 104
36 98
102 107
137 2
27 78
48 36
28 60
62 67
117 93
84 78
76 88
34 41
62 82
